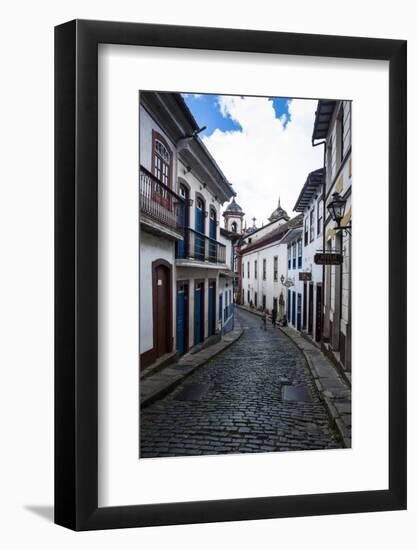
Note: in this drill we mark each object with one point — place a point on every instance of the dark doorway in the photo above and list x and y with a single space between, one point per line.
212 309
318 311
310 307
198 312
304 306
299 298
182 317
162 307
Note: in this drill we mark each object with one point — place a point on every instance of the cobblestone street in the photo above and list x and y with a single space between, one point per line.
256 396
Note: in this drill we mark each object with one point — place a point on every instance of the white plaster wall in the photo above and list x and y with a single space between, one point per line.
152 248
229 219
311 249
191 274
197 187
269 287
146 125
343 184
265 230
229 250
293 275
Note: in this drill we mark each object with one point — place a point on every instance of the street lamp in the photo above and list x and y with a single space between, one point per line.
336 208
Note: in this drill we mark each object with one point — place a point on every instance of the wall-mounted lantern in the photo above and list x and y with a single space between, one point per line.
336 208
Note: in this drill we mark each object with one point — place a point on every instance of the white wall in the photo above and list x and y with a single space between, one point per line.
269 287
152 248
196 188
147 124
311 249
26 219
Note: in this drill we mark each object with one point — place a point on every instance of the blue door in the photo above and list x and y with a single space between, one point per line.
181 320
289 306
199 314
299 311
220 307
212 310
199 227
183 221
212 245
293 308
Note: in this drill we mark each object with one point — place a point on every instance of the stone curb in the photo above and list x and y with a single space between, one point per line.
170 380
332 411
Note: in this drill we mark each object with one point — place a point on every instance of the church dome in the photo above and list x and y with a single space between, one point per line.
234 208
279 214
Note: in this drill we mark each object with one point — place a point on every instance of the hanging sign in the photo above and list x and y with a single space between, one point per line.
328 258
304 276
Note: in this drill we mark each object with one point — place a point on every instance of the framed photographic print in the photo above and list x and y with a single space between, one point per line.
230 275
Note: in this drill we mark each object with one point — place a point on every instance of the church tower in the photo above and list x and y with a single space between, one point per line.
279 214
233 218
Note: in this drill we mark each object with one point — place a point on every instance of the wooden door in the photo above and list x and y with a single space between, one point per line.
162 307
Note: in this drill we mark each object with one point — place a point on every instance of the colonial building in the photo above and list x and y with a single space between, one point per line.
181 192
333 127
233 231
263 257
292 242
310 205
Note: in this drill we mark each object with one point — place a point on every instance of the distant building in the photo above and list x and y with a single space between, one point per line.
233 231
333 125
292 242
181 192
310 204
263 257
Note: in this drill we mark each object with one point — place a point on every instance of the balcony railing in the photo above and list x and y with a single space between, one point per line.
160 203
200 247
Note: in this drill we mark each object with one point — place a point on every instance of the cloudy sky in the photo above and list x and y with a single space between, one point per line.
263 145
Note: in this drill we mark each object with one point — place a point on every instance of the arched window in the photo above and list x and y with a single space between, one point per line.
234 227
161 159
200 248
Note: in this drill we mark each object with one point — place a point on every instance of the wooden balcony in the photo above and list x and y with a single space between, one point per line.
199 247
159 203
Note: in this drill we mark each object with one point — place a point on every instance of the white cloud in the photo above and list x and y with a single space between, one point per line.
265 159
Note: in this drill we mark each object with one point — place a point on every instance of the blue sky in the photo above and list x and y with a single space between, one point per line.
205 109
262 145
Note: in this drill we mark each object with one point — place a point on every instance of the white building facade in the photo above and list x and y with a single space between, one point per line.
181 193
310 205
264 264
333 125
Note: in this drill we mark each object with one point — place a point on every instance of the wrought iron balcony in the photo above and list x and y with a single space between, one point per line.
159 202
197 246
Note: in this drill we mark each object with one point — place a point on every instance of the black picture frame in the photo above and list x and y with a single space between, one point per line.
76 271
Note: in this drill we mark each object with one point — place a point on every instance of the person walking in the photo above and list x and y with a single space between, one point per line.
264 320
274 317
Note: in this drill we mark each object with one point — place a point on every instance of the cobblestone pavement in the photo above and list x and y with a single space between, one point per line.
256 396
